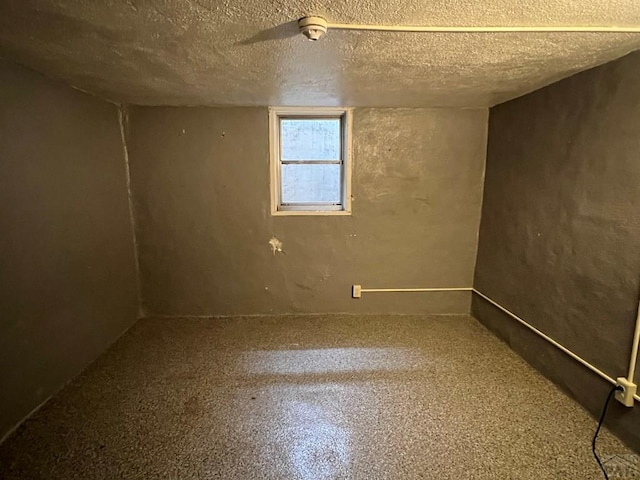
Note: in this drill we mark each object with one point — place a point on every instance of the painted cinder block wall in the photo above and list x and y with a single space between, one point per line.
559 240
67 269
200 181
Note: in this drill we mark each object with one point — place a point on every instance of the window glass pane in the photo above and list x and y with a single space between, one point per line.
310 139
311 183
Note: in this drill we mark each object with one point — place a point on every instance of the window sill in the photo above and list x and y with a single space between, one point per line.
327 213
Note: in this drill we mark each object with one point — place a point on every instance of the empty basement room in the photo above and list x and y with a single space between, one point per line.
319 240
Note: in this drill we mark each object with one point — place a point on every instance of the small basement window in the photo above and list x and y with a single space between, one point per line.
310 165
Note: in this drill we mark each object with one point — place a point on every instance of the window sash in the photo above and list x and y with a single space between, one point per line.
308 206
311 162
343 169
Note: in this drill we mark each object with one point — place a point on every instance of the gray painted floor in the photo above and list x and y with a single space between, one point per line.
308 397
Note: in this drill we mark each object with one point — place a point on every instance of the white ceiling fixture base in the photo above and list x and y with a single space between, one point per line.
312 27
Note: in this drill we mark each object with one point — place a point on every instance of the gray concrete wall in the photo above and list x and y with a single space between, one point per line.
560 234
200 180
67 270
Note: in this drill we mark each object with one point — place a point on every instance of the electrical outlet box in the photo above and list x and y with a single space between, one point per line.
625 396
357 291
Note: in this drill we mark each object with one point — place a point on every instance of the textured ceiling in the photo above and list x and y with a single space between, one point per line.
248 52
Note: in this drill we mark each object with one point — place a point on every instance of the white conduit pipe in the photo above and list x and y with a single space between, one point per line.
494 29
597 371
634 349
548 339
374 290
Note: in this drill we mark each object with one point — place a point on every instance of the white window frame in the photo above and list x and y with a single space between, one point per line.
275 114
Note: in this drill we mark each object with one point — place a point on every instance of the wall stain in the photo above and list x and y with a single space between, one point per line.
276 245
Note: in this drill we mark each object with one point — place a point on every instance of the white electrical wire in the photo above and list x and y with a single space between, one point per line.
487 29
634 349
548 339
373 290
597 371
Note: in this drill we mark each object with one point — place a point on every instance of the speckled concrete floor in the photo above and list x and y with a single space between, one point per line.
307 397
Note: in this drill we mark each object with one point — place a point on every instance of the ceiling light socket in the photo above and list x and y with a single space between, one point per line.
312 27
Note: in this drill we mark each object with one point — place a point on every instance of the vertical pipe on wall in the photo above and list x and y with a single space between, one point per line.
634 349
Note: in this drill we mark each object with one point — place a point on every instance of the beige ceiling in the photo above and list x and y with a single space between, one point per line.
248 52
